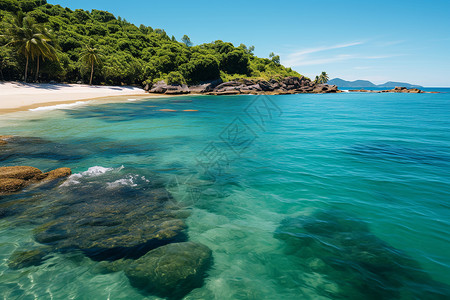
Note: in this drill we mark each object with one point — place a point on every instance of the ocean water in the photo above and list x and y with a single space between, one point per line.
334 196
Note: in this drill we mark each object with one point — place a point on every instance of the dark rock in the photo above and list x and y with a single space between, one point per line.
233 83
205 87
265 86
159 88
112 220
170 271
23 259
177 90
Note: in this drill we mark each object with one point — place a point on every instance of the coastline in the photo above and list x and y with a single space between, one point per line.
17 96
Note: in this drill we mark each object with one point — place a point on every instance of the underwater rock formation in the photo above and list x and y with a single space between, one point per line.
169 271
364 267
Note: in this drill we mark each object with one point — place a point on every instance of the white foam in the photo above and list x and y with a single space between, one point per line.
132 99
59 106
121 182
91 172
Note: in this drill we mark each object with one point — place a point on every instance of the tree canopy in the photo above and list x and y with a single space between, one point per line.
130 54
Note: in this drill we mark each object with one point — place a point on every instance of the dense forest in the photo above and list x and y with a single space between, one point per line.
80 44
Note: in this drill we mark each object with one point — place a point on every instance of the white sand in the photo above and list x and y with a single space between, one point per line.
15 96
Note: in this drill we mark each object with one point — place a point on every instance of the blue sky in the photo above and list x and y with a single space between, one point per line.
380 40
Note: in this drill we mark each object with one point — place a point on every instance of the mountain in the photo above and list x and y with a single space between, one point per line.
356 84
367 84
393 84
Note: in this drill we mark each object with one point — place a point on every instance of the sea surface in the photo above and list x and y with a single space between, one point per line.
333 196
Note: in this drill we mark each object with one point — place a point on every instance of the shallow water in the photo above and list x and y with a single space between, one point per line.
339 196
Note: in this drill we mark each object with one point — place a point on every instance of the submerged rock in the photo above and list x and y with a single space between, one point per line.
110 215
22 259
169 271
364 267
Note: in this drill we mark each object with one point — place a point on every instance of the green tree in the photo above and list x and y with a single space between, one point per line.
90 57
322 78
275 58
186 40
32 40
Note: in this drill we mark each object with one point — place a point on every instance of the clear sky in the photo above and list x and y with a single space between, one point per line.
377 40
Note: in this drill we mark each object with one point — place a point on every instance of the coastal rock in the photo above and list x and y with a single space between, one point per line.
160 87
57 173
20 172
11 185
177 90
4 139
13 179
205 87
170 271
265 86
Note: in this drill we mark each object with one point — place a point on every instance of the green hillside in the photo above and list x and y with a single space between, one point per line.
128 54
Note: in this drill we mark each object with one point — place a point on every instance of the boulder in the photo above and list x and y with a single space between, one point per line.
112 221
170 271
177 90
265 86
20 172
57 173
233 83
13 179
205 87
159 88
4 138
11 185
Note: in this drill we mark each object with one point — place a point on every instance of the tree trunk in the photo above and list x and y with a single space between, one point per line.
92 73
26 69
37 70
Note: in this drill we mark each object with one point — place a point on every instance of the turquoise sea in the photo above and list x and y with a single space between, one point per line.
333 196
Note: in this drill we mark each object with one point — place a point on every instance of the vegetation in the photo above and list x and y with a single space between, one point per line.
322 78
68 45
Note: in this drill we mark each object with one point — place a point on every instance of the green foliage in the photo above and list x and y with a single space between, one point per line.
130 54
322 78
175 77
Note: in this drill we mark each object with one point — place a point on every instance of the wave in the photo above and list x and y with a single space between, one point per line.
59 106
91 172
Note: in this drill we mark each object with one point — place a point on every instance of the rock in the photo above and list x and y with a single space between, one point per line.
265 86
177 89
57 173
4 138
10 185
13 179
233 83
205 87
112 220
160 87
23 259
170 271
147 87
19 172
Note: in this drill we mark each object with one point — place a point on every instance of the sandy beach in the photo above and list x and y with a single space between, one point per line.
16 96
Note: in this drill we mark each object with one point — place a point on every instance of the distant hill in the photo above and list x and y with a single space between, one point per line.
367 84
393 84
341 83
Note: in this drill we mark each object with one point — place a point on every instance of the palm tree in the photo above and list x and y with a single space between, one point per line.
31 39
322 78
91 56
46 50
316 80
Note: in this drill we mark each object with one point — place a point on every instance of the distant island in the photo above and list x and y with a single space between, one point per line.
341 83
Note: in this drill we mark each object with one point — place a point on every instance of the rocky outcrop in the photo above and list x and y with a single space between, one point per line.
395 90
169 271
163 88
4 139
13 179
287 85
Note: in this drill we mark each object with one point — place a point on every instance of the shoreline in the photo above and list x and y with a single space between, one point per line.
17 96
